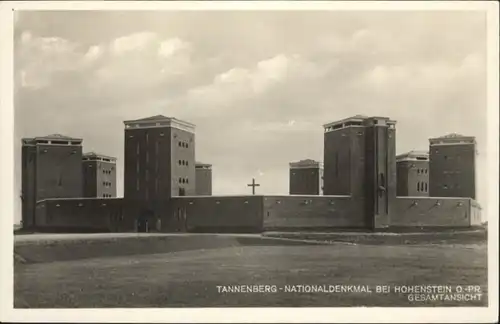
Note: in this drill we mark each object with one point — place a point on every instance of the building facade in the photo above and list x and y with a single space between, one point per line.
159 163
413 174
51 168
160 189
306 178
203 179
99 176
452 166
359 160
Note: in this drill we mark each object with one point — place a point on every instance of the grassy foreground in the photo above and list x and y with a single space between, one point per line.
190 278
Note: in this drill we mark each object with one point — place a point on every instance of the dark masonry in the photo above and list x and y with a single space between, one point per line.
365 186
452 167
203 179
306 177
99 175
413 174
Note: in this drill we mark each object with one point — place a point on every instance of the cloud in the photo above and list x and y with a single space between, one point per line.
129 63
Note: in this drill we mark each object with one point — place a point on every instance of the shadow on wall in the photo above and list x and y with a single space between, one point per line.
435 212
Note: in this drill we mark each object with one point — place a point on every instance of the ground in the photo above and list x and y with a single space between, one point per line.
190 278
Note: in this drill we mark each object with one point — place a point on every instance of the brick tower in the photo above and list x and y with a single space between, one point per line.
413 174
51 168
159 163
360 161
99 175
452 166
306 177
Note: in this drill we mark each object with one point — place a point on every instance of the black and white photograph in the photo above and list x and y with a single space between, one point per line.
274 156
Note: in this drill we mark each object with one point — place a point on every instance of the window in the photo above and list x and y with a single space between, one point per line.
180 180
180 144
445 186
418 186
187 180
180 162
426 187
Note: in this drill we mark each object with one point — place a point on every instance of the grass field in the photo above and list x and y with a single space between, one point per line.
190 278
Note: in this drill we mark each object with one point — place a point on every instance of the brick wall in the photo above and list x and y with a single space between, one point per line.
305 181
183 163
203 182
214 214
147 163
452 171
413 178
81 215
306 212
58 173
337 162
429 211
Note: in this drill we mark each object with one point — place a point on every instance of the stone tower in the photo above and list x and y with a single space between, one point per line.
99 175
51 168
159 162
413 174
452 166
360 161
306 178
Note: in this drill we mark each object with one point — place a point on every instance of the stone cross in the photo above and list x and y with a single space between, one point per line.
253 185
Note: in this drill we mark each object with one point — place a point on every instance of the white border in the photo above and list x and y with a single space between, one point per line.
354 314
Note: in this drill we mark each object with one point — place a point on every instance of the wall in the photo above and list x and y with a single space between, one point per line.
147 163
84 214
203 181
183 175
28 194
58 171
305 181
103 177
89 172
426 212
410 176
214 214
452 171
320 212
337 161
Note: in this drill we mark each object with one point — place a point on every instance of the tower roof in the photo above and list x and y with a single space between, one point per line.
98 157
200 165
304 164
358 120
57 137
413 156
159 121
452 138
48 139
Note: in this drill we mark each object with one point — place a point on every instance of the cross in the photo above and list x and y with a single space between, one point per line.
253 185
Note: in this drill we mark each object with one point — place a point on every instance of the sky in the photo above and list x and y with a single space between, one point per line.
259 85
